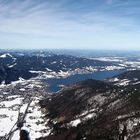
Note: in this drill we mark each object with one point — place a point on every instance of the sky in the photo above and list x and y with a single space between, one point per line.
70 24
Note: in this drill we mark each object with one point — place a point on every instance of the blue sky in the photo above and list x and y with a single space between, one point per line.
74 24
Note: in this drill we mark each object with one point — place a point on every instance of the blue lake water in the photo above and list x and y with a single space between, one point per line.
100 75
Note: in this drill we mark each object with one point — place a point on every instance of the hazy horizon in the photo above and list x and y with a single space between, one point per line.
68 49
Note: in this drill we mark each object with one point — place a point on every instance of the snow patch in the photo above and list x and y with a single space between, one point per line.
75 122
5 55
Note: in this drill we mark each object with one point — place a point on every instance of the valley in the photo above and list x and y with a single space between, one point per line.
67 99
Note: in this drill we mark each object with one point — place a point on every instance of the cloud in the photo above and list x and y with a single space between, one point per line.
59 23
109 1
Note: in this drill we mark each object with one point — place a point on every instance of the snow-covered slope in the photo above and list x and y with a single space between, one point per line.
15 97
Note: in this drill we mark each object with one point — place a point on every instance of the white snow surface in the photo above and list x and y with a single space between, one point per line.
9 109
5 55
75 122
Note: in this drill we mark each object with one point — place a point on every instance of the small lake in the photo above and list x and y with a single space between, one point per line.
99 75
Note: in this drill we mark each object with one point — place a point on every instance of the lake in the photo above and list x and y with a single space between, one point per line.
99 75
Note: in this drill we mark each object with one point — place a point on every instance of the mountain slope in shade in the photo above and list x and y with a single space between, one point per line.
8 75
95 110
54 62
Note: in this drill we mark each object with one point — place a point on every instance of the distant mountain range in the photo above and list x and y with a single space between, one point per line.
53 62
15 65
96 110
